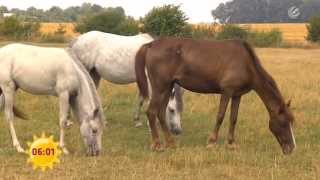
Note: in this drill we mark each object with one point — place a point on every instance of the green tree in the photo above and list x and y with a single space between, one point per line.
13 28
112 20
10 27
3 9
129 27
168 20
314 29
230 31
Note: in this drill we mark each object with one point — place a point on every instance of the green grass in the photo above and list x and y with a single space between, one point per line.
126 149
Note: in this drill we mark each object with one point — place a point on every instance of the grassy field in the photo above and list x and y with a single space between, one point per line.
126 149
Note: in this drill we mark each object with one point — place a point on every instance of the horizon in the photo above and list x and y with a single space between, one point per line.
197 12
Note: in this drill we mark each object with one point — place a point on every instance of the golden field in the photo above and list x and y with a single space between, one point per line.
126 149
292 33
295 33
47 28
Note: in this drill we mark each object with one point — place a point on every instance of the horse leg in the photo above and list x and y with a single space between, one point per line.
1 99
233 118
8 93
162 118
224 100
64 108
152 112
136 119
95 77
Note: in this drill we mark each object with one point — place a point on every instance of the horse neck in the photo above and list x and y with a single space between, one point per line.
268 91
86 100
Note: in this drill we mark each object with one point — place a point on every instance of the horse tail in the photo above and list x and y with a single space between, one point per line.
140 63
17 112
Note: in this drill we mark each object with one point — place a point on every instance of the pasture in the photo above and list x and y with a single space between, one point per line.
126 149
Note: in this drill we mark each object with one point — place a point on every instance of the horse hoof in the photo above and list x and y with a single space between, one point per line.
65 151
69 124
106 123
171 145
211 145
138 124
232 146
157 147
20 149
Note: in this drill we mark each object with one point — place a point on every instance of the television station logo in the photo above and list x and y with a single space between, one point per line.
294 12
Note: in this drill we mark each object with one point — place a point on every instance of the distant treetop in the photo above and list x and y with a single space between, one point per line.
266 11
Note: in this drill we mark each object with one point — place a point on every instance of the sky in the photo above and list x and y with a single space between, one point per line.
196 10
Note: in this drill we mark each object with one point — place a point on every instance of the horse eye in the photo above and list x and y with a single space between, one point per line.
94 131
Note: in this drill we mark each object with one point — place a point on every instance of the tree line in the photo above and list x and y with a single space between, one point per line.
55 13
167 20
266 11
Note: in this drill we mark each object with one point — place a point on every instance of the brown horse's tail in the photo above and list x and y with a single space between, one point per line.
140 63
18 113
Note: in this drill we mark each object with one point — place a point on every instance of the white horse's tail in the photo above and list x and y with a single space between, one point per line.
18 113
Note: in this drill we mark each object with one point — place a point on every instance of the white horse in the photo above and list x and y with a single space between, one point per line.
52 71
112 57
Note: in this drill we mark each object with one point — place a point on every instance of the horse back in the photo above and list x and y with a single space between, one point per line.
208 65
37 70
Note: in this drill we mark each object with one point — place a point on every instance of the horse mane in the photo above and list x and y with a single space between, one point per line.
269 82
93 90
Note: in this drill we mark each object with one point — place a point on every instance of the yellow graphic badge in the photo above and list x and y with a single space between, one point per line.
43 152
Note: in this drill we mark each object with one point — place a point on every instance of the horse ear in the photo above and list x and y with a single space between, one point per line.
173 93
281 109
182 91
288 103
96 113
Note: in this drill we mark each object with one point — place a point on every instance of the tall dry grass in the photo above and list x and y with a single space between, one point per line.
50 28
292 33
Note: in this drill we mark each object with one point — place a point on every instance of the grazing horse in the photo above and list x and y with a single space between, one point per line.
52 71
230 68
112 57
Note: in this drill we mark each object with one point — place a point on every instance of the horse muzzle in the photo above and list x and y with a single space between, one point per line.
287 148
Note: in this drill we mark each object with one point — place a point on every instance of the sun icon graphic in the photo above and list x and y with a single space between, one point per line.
43 152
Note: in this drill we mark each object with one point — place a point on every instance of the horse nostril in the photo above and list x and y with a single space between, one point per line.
94 131
176 131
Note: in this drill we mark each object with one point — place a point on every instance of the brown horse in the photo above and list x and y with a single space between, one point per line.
230 68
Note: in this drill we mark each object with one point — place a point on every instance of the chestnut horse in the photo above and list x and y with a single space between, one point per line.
230 68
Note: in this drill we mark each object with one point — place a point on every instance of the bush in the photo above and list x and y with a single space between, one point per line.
314 29
266 39
203 32
168 20
232 32
113 20
129 27
13 28
259 39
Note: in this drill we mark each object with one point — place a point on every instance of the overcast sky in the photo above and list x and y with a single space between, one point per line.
196 10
